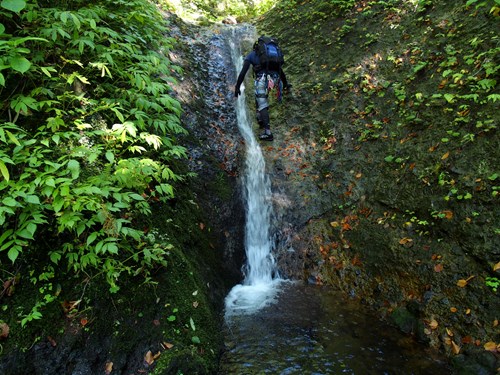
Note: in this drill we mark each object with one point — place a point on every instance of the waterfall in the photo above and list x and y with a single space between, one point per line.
260 283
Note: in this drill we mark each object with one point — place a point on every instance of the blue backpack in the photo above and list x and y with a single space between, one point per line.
270 55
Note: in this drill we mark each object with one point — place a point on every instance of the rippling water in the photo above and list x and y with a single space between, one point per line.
314 330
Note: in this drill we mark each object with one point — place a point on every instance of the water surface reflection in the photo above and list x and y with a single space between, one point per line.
313 330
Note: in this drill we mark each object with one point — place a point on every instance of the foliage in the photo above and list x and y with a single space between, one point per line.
493 283
88 132
407 91
215 10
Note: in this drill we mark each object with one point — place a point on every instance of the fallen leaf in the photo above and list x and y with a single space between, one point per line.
405 240
8 286
334 224
447 214
438 267
447 341
196 304
462 283
496 267
83 321
346 227
466 340
4 330
70 306
467 312
108 368
495 323
490 346
445 156
433 324
148 358
449 332
202 226
53 342
453 309
455 348
168 345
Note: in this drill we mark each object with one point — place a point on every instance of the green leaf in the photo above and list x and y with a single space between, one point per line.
47 70
191 323
450 98
2 80
55 257
76 21
112 248
74 167
110 156
92 238
419 66
136 197
25 234
20 64
6 234
58 204
92 157
14 253
14 5
196 340
31 227
6 245
80 228
493 97
12 138
50 182
33 199
118 114
64 17
10 202
4 171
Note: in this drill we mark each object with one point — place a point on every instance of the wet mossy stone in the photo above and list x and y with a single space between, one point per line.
463 365
404 320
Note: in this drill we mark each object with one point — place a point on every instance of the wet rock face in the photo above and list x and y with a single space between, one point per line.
365 210
214 144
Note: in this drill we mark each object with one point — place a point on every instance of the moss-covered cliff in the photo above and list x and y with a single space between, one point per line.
385 161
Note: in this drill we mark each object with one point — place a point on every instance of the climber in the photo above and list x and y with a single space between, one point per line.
267 60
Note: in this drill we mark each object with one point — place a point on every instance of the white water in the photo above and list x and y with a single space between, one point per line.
260 284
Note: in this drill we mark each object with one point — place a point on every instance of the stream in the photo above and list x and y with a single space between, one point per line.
277 326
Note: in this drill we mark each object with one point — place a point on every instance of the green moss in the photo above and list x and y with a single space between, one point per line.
138 316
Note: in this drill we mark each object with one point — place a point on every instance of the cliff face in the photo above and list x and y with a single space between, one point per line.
385 162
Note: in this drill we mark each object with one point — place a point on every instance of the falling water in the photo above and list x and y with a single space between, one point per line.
260 284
